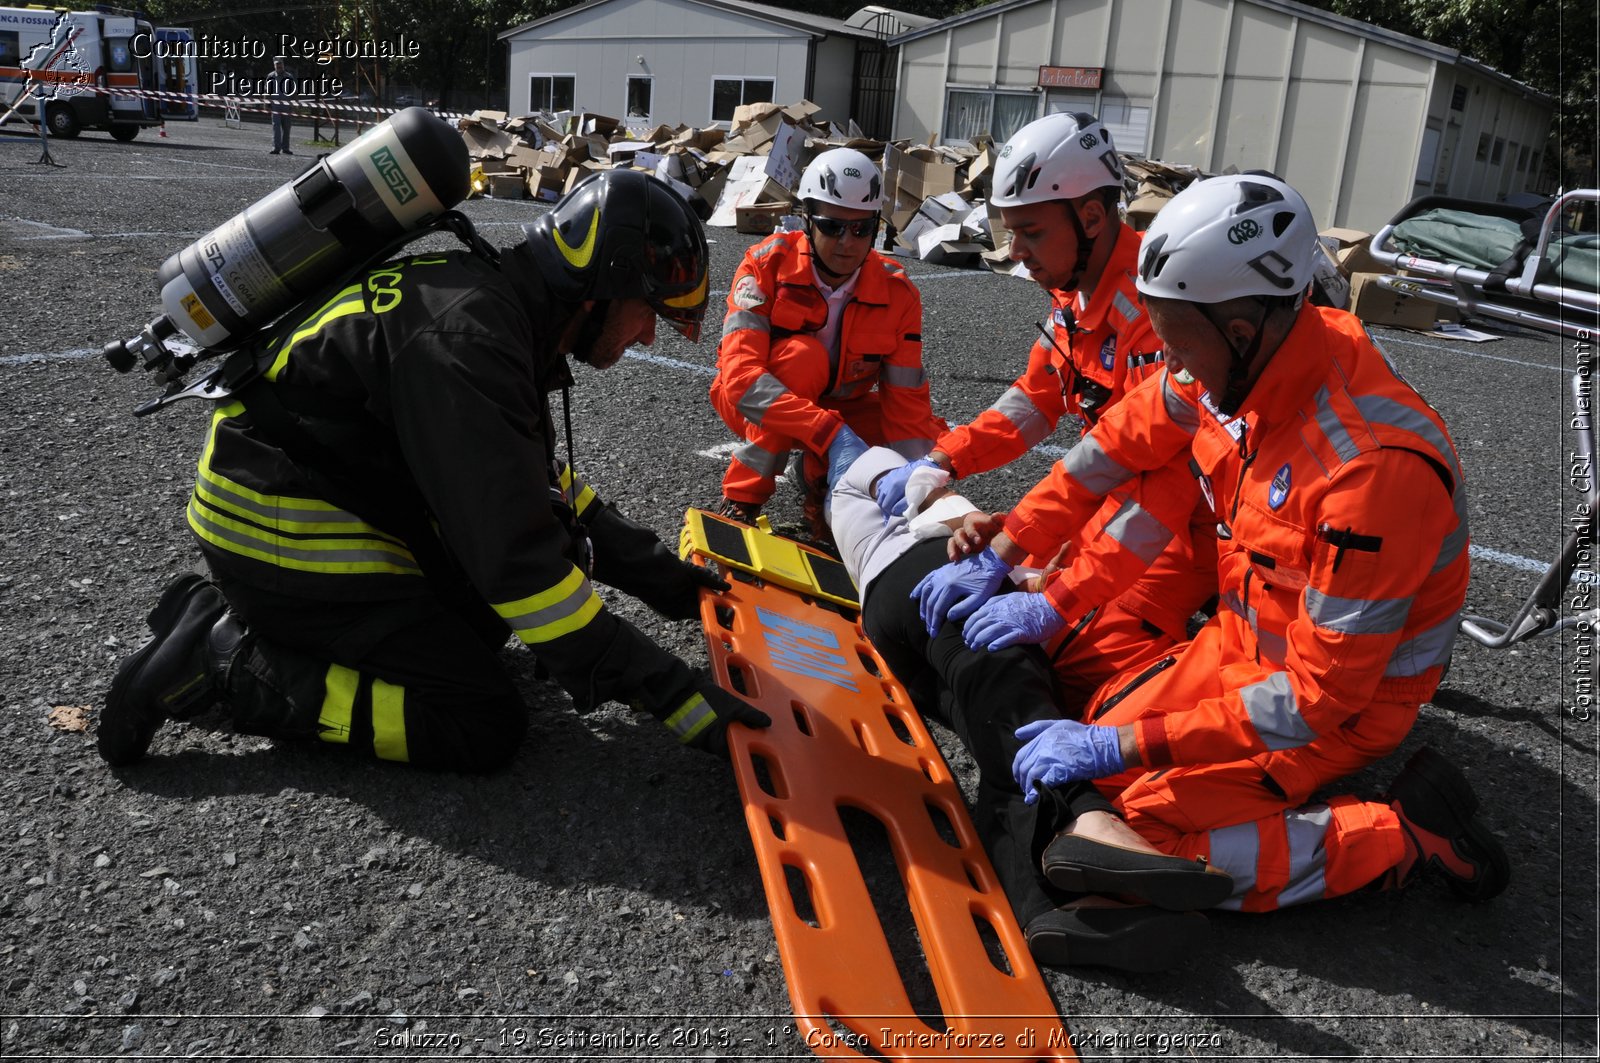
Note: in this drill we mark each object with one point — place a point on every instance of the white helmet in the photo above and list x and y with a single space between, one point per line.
1059 156
1226 237
845 178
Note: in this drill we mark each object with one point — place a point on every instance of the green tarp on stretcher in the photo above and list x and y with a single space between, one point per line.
1483 242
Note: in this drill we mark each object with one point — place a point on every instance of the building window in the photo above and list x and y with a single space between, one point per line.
551 92
728 94
1499 151
970 114
639 97
1522 158
1127 120
1483 147
1458 98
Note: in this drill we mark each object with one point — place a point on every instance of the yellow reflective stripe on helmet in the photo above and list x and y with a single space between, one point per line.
338 703
692 717
689 300
550 614
347 302
578 257
389 721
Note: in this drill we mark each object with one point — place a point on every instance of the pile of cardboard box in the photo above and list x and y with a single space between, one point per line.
1350 251
935 203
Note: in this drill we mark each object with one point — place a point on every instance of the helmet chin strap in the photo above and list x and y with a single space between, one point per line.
1244 355
589 333
1085 247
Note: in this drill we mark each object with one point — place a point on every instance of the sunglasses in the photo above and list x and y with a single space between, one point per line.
833 228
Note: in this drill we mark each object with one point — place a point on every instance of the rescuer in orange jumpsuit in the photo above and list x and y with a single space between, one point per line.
1057 183
822 331
1342 570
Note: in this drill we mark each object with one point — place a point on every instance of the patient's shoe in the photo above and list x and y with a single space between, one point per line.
1100 932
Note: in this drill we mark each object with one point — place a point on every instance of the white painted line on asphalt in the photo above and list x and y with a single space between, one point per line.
45 231
1483 553
34 358
1466 349
671 363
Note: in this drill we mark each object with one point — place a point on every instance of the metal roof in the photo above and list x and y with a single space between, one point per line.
816 25
1437 52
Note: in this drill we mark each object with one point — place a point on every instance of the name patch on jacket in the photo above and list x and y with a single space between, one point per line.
747 293
1279 491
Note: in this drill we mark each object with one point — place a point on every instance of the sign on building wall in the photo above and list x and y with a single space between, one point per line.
1070 77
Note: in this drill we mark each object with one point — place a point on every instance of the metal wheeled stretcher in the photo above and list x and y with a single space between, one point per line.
1526 289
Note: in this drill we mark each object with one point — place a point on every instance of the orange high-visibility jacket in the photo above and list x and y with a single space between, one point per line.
1084 369
774 295
1342 538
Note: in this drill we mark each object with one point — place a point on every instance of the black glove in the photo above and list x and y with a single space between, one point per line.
629 557
701 720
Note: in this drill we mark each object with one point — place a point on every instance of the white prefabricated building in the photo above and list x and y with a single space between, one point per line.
694 61
1360 119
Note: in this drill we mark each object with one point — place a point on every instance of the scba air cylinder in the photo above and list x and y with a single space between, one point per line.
396 177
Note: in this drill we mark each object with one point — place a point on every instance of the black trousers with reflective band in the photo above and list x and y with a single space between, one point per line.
417 680
983 697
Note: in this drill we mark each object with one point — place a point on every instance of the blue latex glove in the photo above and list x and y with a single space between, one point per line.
891 489
955 591
1063 751
1007 619
842 453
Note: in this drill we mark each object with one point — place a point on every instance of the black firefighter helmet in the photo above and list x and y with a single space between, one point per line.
623 234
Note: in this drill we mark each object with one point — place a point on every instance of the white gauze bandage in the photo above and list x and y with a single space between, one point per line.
922 483
929 524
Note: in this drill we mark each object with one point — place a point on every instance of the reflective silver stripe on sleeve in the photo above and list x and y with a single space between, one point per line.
761 462
1428 649
1357 616
766 390
912 449
741 320
1307 828
1182 413
1455 541
1089 464
553 614
1274 714
1139 533
1016 407
1126 307
1399 415
904 376
1333 428
692 717
1237 850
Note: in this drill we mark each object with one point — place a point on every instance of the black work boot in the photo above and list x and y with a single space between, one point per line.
1438 812
169 677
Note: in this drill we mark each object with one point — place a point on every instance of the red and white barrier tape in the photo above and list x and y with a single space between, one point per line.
253 104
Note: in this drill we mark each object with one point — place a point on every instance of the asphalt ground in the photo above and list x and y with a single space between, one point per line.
233 897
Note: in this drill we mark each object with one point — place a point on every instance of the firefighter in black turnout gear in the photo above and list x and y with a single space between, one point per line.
384 503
